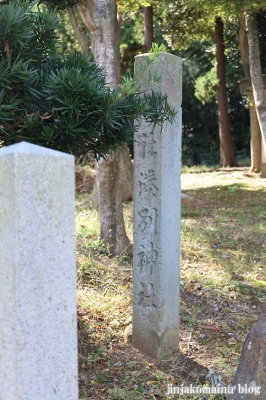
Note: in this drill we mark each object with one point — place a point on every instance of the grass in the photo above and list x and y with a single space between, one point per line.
223 291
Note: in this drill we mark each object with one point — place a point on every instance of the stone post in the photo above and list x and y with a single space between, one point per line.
157 194
38 326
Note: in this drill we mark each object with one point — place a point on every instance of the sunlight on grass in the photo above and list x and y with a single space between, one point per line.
87 223
112 306
128 218
199 168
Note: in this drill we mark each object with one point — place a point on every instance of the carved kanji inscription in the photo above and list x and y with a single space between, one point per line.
148 219
147 184
146 295
147 257
147 145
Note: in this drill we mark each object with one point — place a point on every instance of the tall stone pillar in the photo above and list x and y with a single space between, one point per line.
157 195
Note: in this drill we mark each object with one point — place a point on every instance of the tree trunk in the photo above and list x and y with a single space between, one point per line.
118 27
148 26
100 18
227 158
125 179
112 227
82 39
255 139
255 134
257 79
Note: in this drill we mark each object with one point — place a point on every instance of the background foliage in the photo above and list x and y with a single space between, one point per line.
28 87
200 139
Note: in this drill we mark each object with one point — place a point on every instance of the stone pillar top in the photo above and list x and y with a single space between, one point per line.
161 53
168 69
29 148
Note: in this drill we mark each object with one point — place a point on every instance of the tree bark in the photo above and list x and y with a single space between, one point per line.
82 39
118 27
148 26
227 158
255 134
256 77
100 18
125 179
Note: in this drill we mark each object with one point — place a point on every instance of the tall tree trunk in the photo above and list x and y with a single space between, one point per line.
227 158
118 27
100 18
255 134
82 39
148 26
257 80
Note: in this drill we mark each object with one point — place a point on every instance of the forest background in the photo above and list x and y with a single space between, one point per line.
174 26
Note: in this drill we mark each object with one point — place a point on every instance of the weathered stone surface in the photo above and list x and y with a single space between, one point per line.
157 164
38 329
251 370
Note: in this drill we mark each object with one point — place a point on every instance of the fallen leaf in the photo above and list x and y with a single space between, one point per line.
215 328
